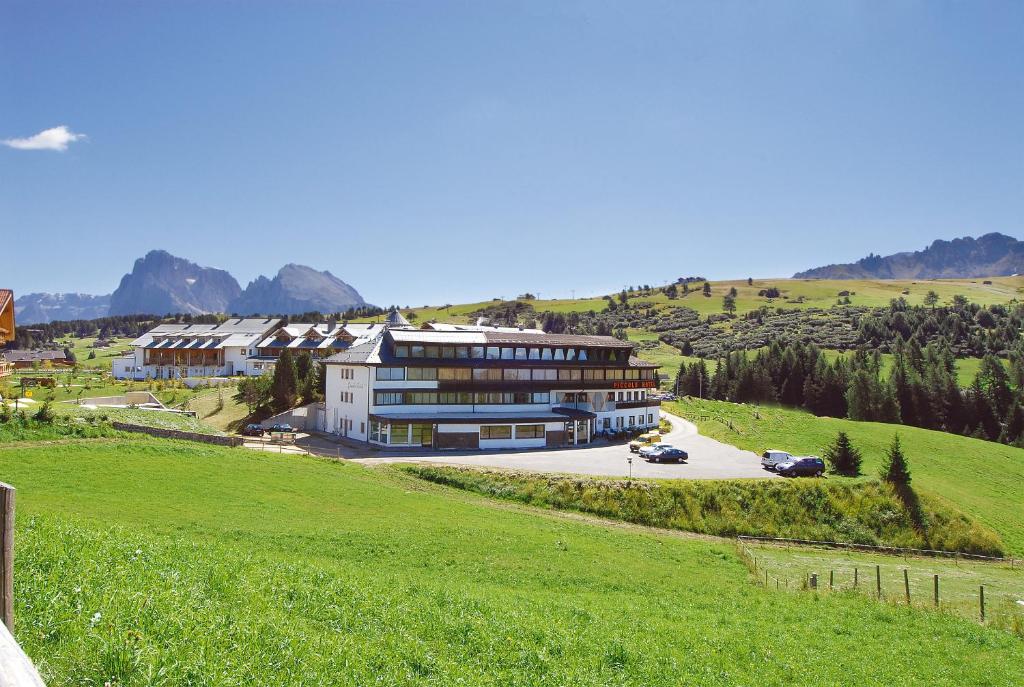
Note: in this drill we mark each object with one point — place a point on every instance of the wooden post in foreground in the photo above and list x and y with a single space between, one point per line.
936 591
981 600
855 578
7 555
906 584
878 581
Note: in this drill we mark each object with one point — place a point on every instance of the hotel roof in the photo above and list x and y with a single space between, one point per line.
233 332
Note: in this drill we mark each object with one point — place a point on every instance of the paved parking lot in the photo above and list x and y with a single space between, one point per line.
709 459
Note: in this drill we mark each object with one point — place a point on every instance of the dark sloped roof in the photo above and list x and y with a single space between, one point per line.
20 355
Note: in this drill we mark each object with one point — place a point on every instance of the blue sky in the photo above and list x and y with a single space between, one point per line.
446 152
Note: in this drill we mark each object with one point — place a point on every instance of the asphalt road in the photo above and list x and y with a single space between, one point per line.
709 459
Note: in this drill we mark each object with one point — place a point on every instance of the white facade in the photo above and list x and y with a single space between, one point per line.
373 396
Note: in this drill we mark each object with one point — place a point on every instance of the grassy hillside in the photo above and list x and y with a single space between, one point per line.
868 512
789 567
795 293
982 478
154 562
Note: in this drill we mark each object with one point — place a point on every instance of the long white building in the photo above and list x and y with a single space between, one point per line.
486 389
234 347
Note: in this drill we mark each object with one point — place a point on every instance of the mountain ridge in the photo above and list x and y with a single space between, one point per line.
990 255
163 284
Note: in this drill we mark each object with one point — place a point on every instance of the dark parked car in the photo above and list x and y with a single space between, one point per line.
808 465
667 455
282 428
253 431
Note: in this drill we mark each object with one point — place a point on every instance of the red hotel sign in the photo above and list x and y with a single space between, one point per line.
645 384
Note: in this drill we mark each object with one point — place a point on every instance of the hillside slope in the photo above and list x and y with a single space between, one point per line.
157 562
983 478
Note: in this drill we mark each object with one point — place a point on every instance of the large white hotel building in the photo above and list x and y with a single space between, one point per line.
462 388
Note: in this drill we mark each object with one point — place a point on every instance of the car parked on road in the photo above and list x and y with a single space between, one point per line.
285 427
802 466
667 455
645 439
252 430
648 450
772 457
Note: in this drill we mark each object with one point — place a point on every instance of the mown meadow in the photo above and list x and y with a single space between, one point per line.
145 561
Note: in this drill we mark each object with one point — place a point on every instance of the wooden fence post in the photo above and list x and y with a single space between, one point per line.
814 580
831 579
981 601
906 584
936 590
854 577
878 581
7 555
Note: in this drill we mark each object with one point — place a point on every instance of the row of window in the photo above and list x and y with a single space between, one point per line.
620 421
508 353
347 397
514 374
401 398
402 434
347 373
404 398
505 431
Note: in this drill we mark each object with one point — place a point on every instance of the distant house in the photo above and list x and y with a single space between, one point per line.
22 359
6 316
6 327
172 351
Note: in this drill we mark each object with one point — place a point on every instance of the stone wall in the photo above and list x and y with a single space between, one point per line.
178 434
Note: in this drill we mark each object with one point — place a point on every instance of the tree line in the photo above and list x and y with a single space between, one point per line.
920 388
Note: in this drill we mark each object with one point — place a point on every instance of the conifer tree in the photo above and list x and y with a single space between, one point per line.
285 384
842 457
896 469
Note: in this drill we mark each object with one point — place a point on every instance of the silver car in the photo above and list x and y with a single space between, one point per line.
772 457
653 448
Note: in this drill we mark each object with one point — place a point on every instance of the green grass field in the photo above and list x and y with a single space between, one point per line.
157 563
854 571
982 478
795 293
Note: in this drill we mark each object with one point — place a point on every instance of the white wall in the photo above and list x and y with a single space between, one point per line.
339 411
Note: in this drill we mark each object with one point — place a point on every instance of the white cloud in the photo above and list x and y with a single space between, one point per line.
56 138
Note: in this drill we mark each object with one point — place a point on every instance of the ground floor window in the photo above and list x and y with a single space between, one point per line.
378 431
618 422
529 431
606 423
495 431
422 435
650 419
399 434
632 421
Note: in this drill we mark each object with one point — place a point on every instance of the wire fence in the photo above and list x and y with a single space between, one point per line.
989 591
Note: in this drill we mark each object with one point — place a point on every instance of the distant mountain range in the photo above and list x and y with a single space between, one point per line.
33 308
161 283
991 255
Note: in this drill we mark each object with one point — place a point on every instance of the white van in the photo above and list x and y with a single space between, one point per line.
772 457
